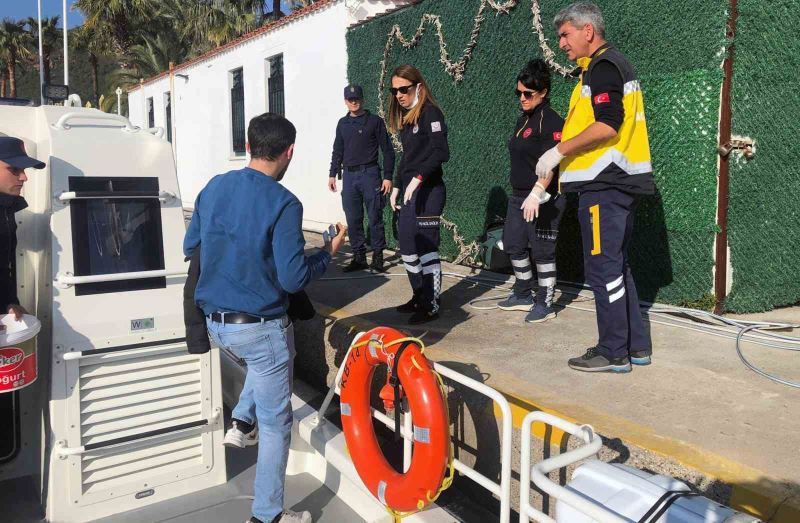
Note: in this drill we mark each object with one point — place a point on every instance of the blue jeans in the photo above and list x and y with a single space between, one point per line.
268 350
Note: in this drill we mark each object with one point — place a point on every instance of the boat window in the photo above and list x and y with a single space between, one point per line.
114 233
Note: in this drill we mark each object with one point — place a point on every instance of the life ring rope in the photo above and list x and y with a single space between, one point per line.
447 481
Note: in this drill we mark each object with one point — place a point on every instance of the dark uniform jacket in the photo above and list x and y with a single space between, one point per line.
425 148
358 139
9 205
534 133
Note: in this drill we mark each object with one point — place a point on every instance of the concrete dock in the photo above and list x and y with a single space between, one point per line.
697 413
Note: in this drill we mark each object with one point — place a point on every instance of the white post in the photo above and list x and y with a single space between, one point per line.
41 56
119 103
66 50
408 425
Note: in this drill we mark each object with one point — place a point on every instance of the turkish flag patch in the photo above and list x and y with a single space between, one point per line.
602 98
557 137
527 132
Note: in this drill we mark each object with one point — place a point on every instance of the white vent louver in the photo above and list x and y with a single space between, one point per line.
142 420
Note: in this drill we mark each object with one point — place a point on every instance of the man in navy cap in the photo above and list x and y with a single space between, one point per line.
13 162
359 135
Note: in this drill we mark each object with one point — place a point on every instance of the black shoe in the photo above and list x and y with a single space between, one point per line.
408 307
642 357
593 361
377 262
422 316
358 263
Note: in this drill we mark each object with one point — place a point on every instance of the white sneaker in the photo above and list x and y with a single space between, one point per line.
235 438
289 516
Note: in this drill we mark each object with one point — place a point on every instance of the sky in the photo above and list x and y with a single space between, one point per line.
18 9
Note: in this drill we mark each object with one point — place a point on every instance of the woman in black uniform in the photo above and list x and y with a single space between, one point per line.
419 193
535 206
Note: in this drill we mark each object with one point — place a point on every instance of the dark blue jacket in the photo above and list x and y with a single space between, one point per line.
425 148
9 205
357 141
253 251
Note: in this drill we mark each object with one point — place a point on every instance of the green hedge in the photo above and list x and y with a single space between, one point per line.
764 216
677 48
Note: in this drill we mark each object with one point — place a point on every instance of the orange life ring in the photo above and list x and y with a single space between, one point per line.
420 485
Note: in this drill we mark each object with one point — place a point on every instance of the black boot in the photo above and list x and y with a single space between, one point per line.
410 306
423 315
359 262
377 262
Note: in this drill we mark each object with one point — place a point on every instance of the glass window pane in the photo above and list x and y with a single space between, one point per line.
237 111
168 116
114 235
275 88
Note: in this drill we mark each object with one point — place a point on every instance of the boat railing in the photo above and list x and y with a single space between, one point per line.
501 489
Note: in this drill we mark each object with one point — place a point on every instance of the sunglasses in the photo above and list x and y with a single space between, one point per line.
354 100
401 90
527 94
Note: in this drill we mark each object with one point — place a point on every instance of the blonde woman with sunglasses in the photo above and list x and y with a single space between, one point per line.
419 192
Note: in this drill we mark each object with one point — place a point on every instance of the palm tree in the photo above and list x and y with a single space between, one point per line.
50 40
14 42
147 59
299 4
96 43
276 10
121 17
3 74
215 22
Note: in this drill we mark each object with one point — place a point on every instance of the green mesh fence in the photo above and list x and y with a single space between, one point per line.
764 215
677 49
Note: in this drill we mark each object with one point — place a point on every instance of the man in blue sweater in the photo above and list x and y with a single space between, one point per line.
253 257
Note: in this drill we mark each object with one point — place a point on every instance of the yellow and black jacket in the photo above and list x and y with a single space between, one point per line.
622 162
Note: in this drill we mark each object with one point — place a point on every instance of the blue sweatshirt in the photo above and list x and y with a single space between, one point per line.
253 255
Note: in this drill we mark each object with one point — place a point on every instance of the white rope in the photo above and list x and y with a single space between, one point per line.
456 69
468 252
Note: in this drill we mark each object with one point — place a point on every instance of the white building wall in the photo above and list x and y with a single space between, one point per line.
315 73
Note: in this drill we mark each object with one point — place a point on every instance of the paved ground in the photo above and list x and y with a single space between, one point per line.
697 405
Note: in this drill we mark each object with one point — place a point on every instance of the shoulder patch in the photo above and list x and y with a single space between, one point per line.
557 137
436 127
602 98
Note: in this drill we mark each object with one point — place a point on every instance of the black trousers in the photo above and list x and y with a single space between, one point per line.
418 233
606 219
525 241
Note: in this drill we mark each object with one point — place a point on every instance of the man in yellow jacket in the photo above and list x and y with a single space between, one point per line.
604 156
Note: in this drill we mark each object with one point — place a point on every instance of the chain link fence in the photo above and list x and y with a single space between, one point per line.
678 49
764 214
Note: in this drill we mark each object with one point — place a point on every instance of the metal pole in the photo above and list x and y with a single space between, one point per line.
41 56
723 192
119 103
66 50
171 112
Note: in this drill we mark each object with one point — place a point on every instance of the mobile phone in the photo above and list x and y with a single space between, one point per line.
330 233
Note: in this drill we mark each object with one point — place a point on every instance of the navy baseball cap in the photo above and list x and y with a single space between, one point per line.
12 151
354 91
